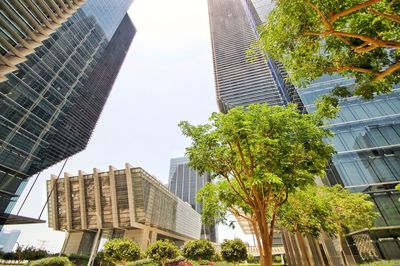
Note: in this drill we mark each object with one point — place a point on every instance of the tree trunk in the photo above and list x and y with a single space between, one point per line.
266 259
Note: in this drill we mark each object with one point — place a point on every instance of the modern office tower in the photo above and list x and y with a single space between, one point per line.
127 202
185 182
8 239
237 81
367 141
58 62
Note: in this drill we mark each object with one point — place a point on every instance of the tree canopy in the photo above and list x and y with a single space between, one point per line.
333 210
355 38
121 250
262 153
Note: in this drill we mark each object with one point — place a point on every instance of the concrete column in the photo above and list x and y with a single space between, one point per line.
97 197
53 199
82 199
140 236
67 195
113 190
152 236
131 199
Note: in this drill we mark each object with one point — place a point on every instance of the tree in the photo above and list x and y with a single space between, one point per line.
233 251
161 251
262 154
356 38
333 210
121 250
198 250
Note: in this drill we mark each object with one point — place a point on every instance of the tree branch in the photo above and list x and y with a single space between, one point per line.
365 38
353 9
392 17
350 68
239 147
324 19
388 71
237 192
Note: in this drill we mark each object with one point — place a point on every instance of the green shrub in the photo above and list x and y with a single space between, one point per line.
31 253
79 260
142 262
198 250
9 256
251 259
233 250
217 257
177 259
161 251
52 261
121 250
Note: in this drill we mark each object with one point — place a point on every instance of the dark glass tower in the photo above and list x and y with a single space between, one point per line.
185 182
58 62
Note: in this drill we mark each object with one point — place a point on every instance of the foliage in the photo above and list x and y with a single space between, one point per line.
355 38
233 250
121 250
198 250
52 261
217 257
251 259
161 251
259 155
142 262
31 253
79 260
331 209
177 259
10 256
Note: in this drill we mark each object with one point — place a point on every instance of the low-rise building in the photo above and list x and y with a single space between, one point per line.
127 202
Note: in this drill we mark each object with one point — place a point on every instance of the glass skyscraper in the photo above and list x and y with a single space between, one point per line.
367 141
239 82
58 62
185 182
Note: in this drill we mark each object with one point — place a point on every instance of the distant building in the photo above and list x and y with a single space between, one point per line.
8 239
185 182
58 62
128 202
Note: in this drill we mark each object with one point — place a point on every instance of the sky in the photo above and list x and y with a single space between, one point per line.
167 77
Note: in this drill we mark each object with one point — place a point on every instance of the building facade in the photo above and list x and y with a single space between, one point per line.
185 182
367 141
58 62
238 81
127 202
